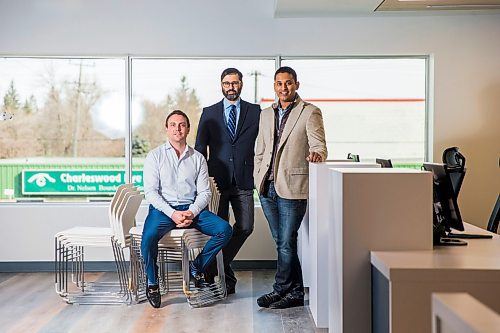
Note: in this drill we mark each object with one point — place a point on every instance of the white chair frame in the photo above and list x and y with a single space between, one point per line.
69 258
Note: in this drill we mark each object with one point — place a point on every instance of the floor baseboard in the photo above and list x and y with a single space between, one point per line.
109 266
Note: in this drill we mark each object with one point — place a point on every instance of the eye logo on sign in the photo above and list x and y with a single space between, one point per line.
41 179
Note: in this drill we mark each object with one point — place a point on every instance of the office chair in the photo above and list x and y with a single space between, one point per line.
453 158
455 162
494 218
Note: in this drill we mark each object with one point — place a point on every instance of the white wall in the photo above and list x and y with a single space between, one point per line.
28 231
465 50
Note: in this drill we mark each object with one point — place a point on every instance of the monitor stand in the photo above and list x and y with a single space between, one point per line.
467 236
444 241
440 237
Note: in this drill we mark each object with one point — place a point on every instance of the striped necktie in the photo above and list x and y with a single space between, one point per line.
231 122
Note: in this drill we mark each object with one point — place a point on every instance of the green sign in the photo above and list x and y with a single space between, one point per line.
75 182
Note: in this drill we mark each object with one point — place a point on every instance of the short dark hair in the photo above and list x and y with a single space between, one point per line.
180 113
286 69
229 71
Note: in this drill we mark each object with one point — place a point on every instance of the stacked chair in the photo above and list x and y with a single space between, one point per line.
70 247
169 263
176 249
193 241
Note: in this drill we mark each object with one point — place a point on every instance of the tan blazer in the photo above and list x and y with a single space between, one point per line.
303 133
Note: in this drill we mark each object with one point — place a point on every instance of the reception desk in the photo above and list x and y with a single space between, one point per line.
403 281
371 210
315 265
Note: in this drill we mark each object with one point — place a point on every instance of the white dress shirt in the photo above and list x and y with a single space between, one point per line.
172 181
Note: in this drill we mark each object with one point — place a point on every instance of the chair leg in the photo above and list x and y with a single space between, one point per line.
193 242
70 260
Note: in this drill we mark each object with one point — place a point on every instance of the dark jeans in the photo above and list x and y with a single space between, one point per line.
158 224
284 217
243 209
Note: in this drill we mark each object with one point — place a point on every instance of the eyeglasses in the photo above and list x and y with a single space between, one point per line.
227 84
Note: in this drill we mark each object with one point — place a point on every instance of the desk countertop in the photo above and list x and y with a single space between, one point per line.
479 255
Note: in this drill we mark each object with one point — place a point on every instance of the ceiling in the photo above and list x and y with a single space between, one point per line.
326 8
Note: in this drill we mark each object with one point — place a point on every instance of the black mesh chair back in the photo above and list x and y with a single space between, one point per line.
453 158
455 162
495 217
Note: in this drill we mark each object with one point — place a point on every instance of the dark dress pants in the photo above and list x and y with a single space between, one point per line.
242 204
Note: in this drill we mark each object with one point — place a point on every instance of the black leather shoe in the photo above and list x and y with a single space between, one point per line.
197 278
209 277
265 300
153 295
287 302
230 290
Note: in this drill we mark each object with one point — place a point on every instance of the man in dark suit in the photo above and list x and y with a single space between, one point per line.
229 129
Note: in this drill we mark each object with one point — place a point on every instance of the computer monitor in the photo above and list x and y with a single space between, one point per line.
354 158
445 207
384 163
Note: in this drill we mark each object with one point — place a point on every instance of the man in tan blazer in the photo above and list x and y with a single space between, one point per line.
291 134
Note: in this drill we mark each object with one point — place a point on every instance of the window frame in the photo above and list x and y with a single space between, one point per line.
128 83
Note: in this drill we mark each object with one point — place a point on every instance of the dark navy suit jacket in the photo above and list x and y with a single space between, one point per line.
226 158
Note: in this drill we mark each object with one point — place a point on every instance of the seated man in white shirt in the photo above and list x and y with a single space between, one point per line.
177 188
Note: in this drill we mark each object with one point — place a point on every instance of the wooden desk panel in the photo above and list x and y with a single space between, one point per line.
371 209
414 275
460 312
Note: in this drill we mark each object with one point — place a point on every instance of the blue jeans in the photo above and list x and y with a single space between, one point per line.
158 224
284 217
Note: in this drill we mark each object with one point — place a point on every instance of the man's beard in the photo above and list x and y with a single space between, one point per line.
231 95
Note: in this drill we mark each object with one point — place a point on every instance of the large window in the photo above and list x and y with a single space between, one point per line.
68 124
163 85
68 139
371 107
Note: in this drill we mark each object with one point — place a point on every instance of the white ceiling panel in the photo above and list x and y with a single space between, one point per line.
330 8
